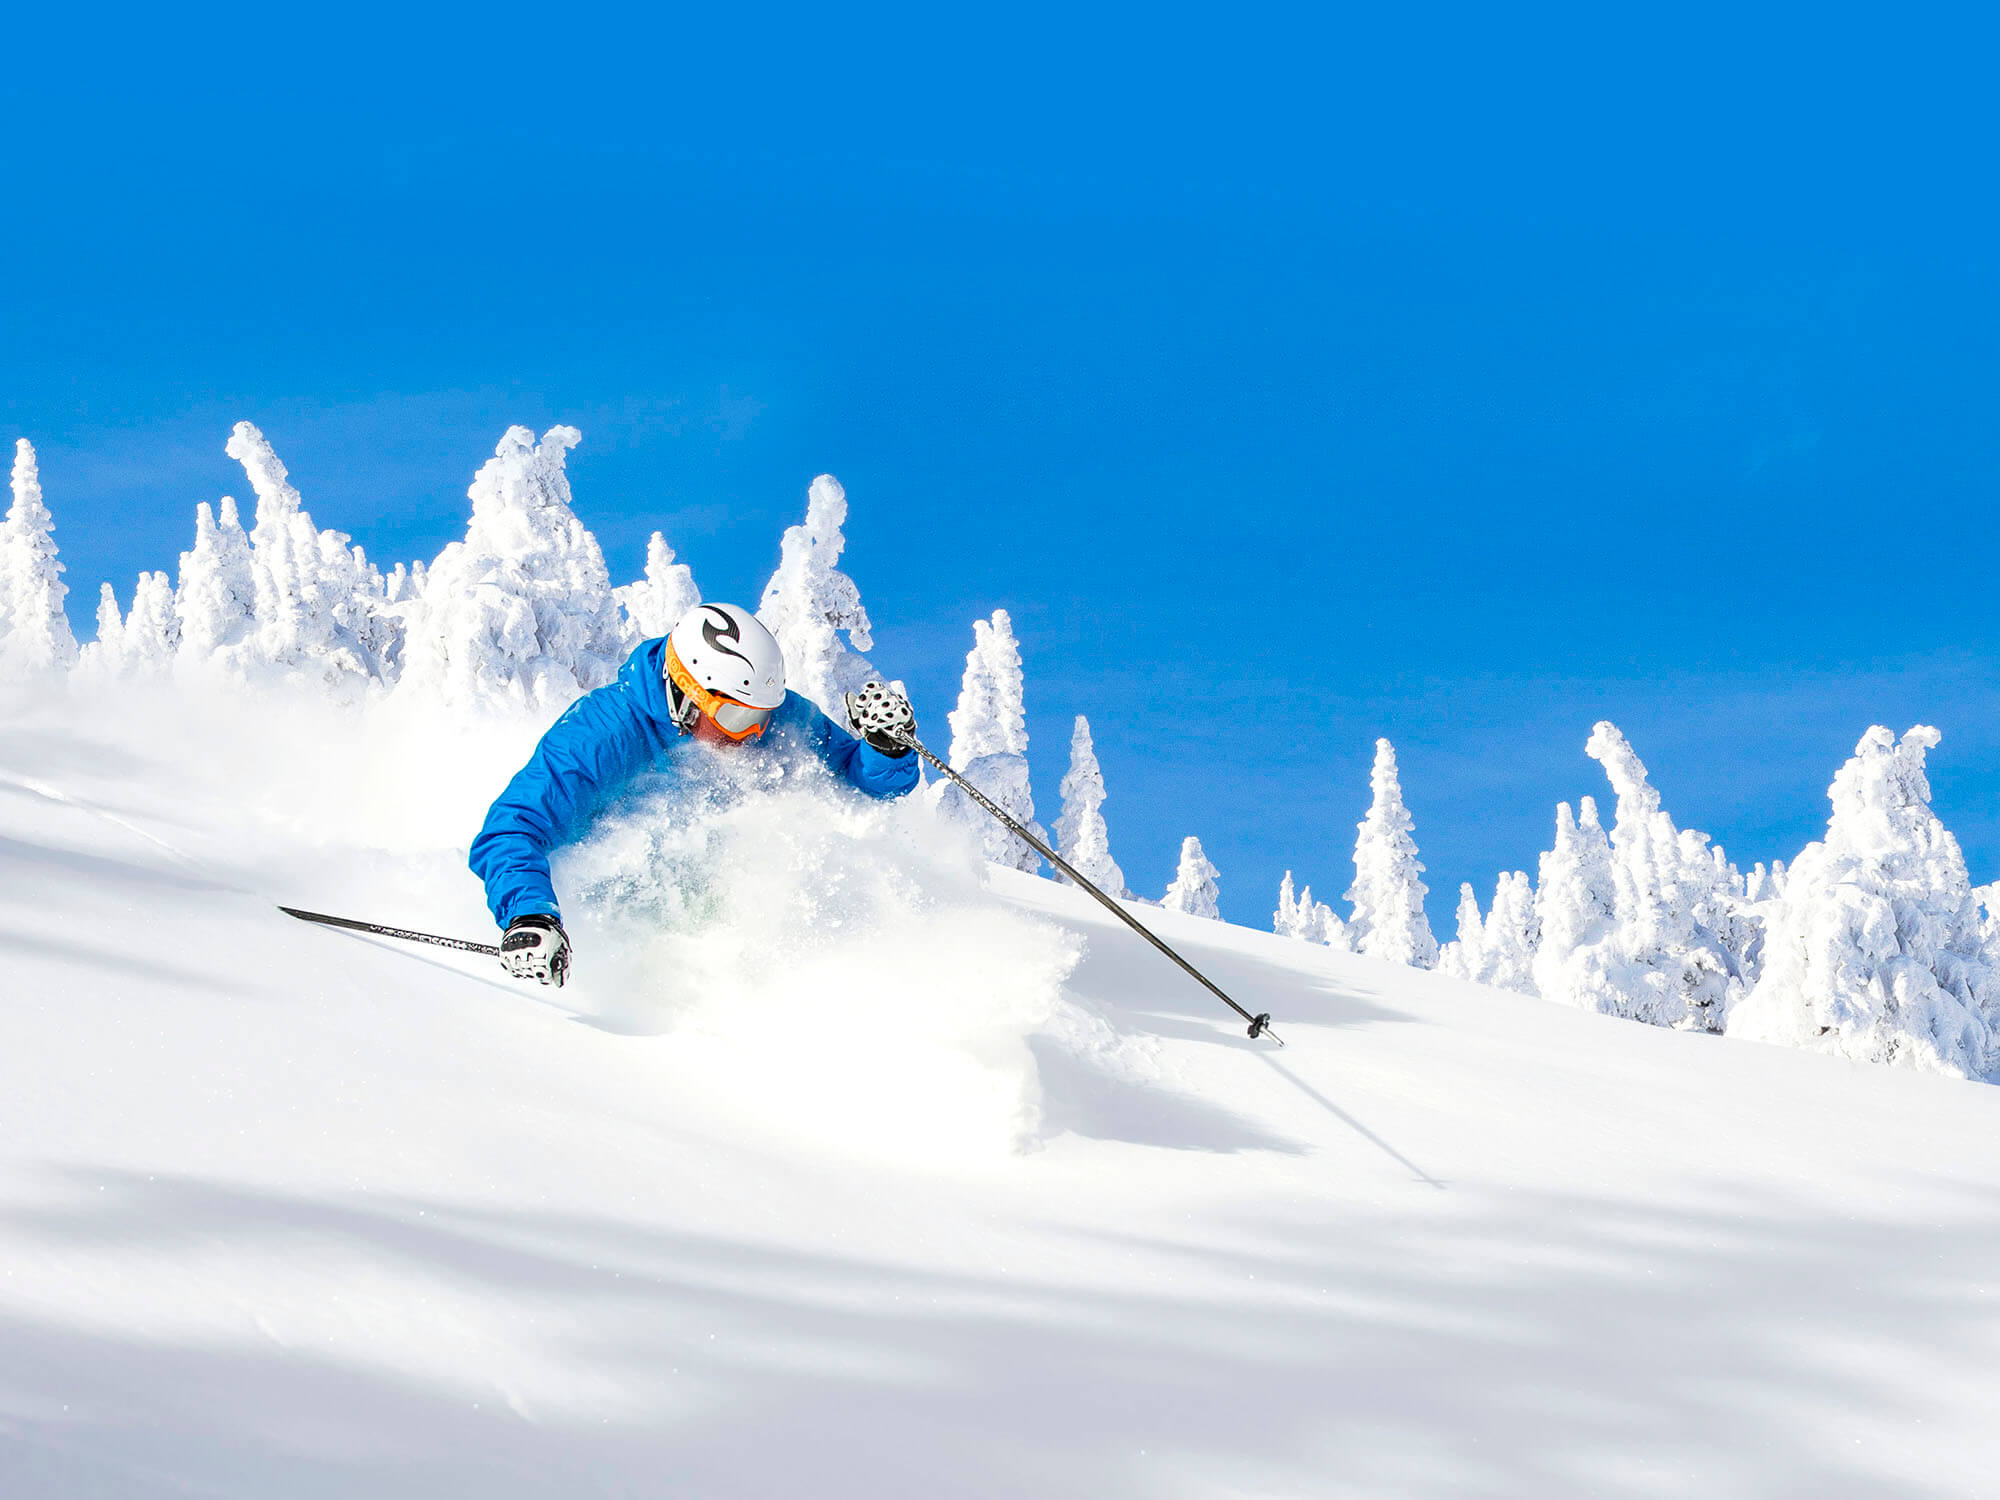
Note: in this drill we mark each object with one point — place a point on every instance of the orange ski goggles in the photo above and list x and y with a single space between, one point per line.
732 720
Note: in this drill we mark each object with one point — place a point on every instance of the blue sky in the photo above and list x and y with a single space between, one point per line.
1461 379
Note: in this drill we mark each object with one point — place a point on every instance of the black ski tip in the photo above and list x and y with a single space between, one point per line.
1260 1025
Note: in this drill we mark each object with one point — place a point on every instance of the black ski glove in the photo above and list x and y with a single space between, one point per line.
880 715
536 947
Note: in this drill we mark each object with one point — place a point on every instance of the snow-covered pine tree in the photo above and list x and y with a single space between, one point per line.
1762 885
1576 909
1875 951
217 597
142 643
1306 919
1194 888
1681 940
519 615
1289 919
1388 891
989 745
655 604
1081 835
809 601
1463 956
405 586
318 602
1322 924
1510 936
152 627
35 636
103 659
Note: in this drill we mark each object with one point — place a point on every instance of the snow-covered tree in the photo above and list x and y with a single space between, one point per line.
989 744
1081 835
1308 920
809 601
1511 936
1682 937
1194 889
152 628
1762 885
142 643
34 630
655 604
104 658
520 614
217 598
1576 908
991 716
1388 892
1498 949
1460 958
405 586
1287 920
1875 951
318 601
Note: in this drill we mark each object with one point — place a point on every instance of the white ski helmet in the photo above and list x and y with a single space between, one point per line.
725 652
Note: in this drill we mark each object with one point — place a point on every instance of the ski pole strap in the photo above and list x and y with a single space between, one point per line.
1260 1025
399 933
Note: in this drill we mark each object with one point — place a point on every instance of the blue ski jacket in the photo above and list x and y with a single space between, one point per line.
604 740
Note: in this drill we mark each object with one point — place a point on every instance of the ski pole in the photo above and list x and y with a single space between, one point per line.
1259 1025
391 932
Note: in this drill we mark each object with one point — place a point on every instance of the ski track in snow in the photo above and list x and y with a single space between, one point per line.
946 1187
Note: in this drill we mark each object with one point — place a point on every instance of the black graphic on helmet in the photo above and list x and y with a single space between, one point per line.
729 630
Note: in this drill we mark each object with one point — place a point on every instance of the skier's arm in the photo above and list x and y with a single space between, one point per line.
593 750
862 765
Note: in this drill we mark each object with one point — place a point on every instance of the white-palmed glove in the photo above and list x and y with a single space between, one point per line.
880 715
536 947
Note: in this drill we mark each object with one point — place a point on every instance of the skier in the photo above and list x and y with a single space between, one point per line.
716 680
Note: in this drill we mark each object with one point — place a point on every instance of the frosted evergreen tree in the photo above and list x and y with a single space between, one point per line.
989 740
1498 949
1290 918
1511 936
1576 909
103 659
1081 835
655 604
809 602
152 627
318 601
1308 920
403 586
1462 957
519 615
1388 892
140 644
34 630
217 597
1876 951
1194 889
989 745
1682 938
1762 885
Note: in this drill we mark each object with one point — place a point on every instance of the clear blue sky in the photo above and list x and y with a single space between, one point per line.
1452 377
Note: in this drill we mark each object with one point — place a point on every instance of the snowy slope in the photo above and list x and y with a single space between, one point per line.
888 1193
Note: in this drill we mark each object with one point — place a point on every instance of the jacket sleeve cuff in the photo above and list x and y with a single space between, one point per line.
532 906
